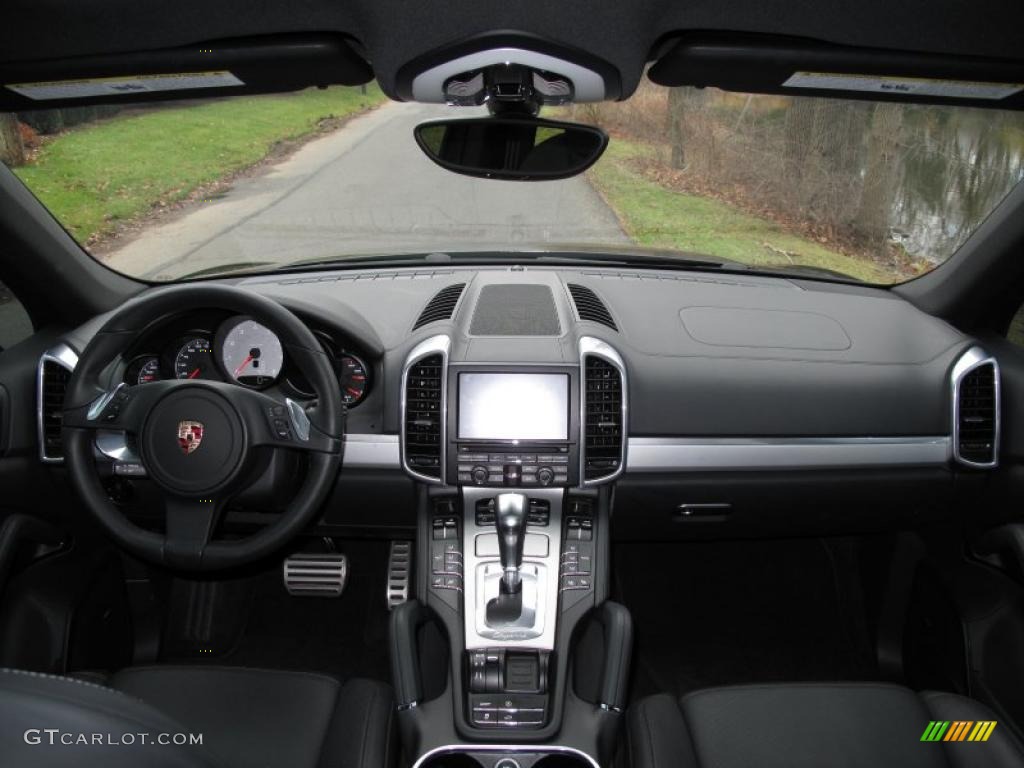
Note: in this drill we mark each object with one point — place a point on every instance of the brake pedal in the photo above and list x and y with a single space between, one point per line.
399 572
308 574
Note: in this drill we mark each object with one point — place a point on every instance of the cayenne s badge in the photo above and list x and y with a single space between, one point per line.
190 435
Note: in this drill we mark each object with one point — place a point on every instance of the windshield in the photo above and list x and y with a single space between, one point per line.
869 191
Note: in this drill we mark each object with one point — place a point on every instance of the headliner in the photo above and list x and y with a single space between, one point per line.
392 32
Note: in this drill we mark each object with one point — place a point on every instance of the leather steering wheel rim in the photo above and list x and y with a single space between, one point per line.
247 416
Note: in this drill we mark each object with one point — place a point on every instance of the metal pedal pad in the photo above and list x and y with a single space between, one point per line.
399 572
309 574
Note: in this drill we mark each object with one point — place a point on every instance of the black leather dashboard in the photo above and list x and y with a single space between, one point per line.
710 356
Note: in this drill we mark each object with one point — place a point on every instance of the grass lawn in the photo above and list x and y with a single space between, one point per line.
662 218
96 175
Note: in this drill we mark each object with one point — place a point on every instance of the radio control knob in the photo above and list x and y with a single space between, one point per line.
480 475
545 476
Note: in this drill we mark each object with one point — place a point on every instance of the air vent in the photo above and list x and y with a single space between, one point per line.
602 419
976 425
54 374
424 396
442 306
590 307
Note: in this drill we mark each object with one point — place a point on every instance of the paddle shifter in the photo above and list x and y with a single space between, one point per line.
511 522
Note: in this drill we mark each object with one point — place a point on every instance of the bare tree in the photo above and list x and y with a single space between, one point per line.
881 176
676 131
12 151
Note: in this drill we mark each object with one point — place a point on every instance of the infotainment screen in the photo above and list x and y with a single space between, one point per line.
513 406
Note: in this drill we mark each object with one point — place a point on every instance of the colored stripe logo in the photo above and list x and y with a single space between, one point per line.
958 730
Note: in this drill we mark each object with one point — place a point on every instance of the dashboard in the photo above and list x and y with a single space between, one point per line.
237 349
694 391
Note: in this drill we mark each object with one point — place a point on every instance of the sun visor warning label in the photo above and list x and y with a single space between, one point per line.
908 86
122 86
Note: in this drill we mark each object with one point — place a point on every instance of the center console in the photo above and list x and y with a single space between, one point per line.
511 656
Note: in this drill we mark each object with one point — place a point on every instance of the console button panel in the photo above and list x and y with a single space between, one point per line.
516 469
506 688
576 568
446 556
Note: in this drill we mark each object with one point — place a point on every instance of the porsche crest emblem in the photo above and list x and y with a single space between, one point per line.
190 435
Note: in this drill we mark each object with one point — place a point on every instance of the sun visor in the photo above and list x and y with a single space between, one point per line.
759 64
224 68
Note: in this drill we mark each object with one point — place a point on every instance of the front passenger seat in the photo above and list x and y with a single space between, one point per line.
248 718
813 725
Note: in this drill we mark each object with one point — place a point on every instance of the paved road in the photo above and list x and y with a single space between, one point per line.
367 188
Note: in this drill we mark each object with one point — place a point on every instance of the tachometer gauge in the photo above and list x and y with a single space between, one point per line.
251 353
194 359
143 370
353 379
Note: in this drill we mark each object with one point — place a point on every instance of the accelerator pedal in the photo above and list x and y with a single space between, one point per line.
399 572
309 574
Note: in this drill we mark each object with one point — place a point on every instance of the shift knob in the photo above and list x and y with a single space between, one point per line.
511 522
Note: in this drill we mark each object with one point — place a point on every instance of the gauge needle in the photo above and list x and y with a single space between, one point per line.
194 373
239 369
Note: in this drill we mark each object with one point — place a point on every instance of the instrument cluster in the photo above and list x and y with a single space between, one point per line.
243 351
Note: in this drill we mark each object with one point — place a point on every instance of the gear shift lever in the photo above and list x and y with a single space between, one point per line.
511 522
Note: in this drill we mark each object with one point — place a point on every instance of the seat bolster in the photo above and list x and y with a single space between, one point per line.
658 736
1002 750
249 718
362 733
78 713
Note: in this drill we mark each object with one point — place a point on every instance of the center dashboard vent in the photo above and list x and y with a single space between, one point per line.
424 398
590 307
603 433
53 383
976 425
442 306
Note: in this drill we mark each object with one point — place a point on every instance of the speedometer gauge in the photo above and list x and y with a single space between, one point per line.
251 353
194 359
353 379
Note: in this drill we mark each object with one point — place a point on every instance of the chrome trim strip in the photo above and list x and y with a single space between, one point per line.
369 451
435 345
588 345
975 357
680 454
531 749
66 357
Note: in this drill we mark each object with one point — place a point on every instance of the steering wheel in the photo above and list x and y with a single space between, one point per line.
197 438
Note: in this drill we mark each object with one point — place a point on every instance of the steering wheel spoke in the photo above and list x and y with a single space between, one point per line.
191 522
282 424
119 408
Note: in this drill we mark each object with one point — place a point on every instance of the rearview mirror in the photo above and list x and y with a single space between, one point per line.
513 148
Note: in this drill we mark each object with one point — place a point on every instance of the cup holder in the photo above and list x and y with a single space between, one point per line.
474 757
562 760
451 760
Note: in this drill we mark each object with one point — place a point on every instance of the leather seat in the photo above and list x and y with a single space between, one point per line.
817 725
248 718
